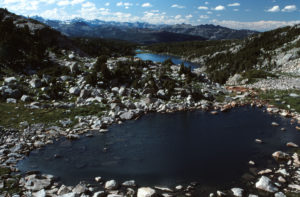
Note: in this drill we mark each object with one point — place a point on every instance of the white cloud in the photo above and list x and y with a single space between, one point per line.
189 16
275 8
289 8
178 16
202 8
256 25
88 4
203 17
206 2
177 6
233 4
107 4
146 5
68 2
126 5
219 8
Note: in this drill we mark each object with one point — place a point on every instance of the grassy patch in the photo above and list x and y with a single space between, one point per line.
254 75
12 114
11 187
282 98
4 171
220 98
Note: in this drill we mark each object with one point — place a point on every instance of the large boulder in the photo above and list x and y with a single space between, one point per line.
279 155
161 94
35 184
127 115
234 80
26 98
74 91
99 194
110 185
264 183
79 189
237 192
40 193
145 192
11 100
10 80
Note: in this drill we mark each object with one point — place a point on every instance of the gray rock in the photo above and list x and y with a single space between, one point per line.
161 94
35 83
10 80
127 115
99 194
85 93
279 155
122 91
40 193
115 89
79 189
252 195
130 183
279 194
26 98
234 80
71 56
10 93
237 192
110 185
34 184
294 95
291 144
38 144
74 91
63 190
73 136
11 100
74 68
66 122
69 195
264 183
146 192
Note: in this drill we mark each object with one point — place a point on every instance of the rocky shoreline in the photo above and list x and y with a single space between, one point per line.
16 144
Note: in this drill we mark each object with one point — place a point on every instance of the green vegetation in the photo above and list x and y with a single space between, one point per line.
253 75
101 47
255 53
23 46
10 186
281 99
4 171
192 49
18 47
13 114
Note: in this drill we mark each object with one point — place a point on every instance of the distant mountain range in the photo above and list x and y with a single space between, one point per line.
143 33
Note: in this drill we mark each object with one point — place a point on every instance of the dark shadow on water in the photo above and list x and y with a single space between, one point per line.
169 149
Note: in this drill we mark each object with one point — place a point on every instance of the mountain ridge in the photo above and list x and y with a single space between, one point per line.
98 28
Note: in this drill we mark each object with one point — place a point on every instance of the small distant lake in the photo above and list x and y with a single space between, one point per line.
170 149
161 58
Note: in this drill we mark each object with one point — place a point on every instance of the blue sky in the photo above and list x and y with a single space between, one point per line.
249 14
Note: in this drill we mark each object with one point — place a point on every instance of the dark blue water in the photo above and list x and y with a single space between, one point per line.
162 58
170 149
